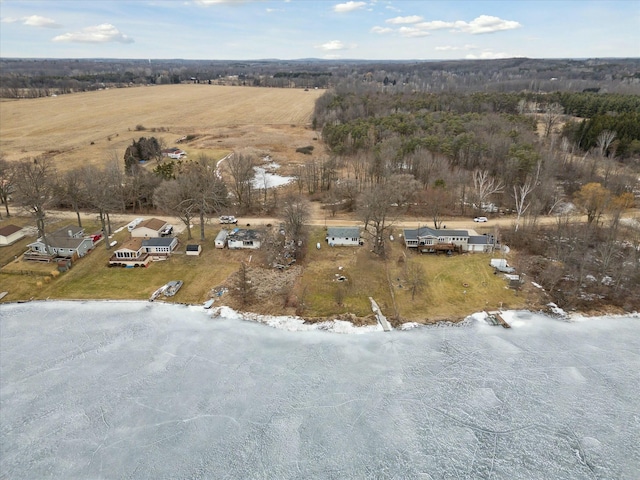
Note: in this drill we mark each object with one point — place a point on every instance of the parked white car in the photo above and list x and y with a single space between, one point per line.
228 219
481 219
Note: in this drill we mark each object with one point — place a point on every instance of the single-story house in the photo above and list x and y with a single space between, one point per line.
150 228
193 249
427 239
67 242
130 253
240 238
159 246
221 238
343 236
61 246
10 234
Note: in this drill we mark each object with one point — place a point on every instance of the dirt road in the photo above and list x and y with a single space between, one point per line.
320 217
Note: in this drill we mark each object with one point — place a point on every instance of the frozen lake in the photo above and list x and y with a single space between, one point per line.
140 390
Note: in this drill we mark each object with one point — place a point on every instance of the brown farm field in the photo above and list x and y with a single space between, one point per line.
98 126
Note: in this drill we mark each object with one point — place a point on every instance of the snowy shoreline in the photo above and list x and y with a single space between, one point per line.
298 324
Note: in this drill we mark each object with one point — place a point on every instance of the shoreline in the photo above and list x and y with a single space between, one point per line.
299 324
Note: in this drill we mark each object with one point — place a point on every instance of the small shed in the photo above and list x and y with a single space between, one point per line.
194 249
10 234
221 239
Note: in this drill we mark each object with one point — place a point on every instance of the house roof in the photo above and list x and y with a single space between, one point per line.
64 231
343 232
193 247
159 242
61 242
241 235
152 223
479 240
9 230
414 234
134 244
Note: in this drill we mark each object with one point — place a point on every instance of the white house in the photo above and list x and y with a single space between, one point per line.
131 254
427 239
150 228
159 246
10 234
240 238
221 238
343 236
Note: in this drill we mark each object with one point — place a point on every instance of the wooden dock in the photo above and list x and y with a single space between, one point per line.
494 317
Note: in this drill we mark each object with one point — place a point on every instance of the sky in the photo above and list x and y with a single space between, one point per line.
295 29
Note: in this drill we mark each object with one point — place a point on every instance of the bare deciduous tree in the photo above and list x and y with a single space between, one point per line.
485 185
71 191
295 214
210 192
242 173
551 116
244 286
604 140
521 194
415 278
34 190
375 210
178 198
7 183
101 187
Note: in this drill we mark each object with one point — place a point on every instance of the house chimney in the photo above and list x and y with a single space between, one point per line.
70 233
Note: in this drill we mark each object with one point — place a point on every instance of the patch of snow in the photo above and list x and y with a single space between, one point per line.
295 324
556 310
271 180
537 285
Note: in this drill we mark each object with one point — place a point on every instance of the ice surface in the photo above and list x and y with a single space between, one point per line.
141 390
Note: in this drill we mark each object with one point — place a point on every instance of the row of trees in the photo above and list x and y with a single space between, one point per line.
197 191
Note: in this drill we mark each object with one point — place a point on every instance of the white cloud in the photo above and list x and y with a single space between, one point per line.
381 30
412 32
38 21
96 34
332 45
485 24
404 20
9 20
435 25
349 6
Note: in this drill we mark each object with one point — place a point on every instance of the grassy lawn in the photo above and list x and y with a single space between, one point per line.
91 278
454 286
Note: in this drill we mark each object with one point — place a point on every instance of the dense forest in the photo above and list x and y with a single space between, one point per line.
43 77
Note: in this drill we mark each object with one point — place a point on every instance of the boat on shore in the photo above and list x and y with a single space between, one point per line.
172 288
157 293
